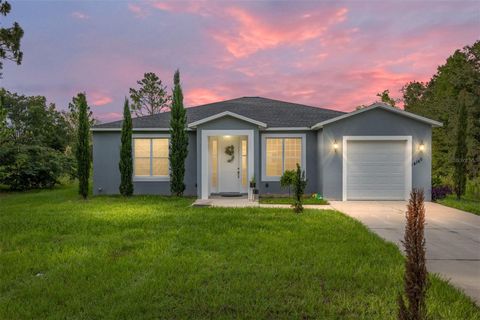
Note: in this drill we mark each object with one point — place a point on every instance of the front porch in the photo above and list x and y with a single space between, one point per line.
226 202
227 165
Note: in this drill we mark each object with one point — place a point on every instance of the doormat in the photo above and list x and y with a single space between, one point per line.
230 194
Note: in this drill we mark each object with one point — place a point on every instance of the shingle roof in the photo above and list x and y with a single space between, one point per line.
274 113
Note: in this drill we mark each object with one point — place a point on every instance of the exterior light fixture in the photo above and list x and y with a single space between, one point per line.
335 145
227 137
421 147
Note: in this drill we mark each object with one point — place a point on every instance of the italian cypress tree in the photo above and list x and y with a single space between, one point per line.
460 174
178 139
83 145
125 165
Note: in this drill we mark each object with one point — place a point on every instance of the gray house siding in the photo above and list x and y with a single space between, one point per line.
226 123
375 122
106 175
273 187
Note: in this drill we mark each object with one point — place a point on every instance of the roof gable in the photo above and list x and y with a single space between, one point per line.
227 114
382 106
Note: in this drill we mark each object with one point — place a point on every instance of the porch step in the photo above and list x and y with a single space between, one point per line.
202 203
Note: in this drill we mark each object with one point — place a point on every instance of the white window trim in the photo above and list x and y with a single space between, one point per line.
265 136
408 159
148 136
204 153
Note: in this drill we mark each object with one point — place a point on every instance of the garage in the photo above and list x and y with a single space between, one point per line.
377 168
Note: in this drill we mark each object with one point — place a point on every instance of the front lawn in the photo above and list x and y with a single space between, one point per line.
159 258
469 205
290 200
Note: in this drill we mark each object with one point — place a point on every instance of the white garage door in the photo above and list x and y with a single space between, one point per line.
376 170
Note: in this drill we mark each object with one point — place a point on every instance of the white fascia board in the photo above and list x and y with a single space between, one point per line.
288 129
134 129
224 114
433 123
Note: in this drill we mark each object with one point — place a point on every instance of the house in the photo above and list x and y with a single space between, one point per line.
375 153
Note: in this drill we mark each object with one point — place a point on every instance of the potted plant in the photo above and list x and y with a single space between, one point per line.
255 194
252 183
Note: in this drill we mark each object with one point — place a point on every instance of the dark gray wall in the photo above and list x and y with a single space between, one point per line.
376 122
106 175
226 123
273 187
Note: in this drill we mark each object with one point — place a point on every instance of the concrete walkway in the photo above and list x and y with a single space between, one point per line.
452 237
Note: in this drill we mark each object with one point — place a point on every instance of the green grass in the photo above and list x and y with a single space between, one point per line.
158 258
289 200
465 204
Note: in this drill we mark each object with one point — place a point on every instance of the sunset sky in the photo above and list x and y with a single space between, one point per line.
329 54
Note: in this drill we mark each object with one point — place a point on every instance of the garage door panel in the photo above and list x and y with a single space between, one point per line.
376 170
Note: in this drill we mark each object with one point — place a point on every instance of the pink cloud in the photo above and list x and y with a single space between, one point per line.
199 96
100 99
109 116
80 15
252 34
138 10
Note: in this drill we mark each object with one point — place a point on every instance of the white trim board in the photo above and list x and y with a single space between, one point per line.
383 106
225 114
135 129
303 136
204 156
288 129
408 160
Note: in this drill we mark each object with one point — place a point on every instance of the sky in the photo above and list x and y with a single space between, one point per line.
331 54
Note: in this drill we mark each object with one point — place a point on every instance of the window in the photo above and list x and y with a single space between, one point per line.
151 157
244 163
281 153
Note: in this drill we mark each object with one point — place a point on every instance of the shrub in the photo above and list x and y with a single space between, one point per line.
473 188
415 280
287 179
440 192
299 185
25 167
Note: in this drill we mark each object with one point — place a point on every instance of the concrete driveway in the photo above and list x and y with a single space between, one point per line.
452 237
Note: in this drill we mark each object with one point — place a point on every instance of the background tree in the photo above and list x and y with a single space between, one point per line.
83 146
299 186
385 97
415 280
126 165
151 97
460 173
178 139
9 39
5 131
439 99
34 144
71 116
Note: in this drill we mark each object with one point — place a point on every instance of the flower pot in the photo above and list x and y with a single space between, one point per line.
252 184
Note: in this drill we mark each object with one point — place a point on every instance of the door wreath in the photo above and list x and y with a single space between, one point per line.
230 151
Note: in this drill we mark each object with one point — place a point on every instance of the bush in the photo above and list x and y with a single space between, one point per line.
440 192
287 179
24 167
473 189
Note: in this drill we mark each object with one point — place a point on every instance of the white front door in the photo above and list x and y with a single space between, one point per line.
229 158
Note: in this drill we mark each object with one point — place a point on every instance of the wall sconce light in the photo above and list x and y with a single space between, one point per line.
421 147
335 145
